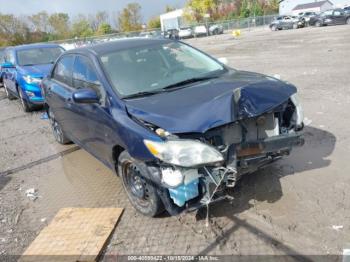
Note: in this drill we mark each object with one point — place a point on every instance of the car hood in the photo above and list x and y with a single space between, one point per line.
200 107
37 70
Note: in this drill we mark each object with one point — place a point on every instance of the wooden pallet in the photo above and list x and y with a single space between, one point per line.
75 234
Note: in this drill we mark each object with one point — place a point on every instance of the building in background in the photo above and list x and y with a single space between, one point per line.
286 7
316 7
172 20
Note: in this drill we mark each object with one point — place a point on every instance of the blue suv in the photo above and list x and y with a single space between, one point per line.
178 126
23 70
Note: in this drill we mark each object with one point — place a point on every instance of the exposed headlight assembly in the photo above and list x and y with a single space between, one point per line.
184 153
32 80
299 112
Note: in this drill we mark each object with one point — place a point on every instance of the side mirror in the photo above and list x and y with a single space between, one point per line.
7 65
223 60
86 96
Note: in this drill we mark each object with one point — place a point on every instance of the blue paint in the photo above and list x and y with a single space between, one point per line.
183 193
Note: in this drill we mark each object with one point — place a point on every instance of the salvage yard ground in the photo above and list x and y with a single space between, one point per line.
300 205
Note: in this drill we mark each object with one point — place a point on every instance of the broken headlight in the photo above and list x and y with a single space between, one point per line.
184 153
298 116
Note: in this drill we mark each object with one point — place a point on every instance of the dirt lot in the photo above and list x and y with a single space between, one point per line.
300 205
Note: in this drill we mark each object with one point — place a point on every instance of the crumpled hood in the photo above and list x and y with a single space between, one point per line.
195 109
37 70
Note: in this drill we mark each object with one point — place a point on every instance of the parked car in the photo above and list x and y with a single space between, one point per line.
216 29
331 17
175 124
200 30
286 22
185 33
2 61
24 69
306 16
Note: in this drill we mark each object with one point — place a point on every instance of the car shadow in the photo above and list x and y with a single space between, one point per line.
265 185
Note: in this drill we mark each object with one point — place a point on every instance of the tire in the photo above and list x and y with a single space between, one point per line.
57 130
8 93
141 192
348 21
27 107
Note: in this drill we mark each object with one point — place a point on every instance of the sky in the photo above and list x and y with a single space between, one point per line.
73 7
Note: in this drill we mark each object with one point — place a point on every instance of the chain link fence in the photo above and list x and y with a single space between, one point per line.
227 25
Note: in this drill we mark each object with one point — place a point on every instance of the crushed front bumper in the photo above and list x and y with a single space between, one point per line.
212 182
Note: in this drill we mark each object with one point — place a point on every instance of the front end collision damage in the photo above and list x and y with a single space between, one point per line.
248 144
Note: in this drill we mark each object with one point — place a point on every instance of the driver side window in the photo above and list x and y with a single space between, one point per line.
84 75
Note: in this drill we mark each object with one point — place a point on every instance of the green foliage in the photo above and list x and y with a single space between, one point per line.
154 23
81 27
129 18
104 29
59 22
198 8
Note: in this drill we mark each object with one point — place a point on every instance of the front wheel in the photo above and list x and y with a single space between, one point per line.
27 107
57 131
141 192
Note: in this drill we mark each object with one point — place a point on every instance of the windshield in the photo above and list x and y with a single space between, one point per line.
38 56
151 68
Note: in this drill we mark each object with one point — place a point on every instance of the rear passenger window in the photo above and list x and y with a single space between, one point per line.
63 70
84 75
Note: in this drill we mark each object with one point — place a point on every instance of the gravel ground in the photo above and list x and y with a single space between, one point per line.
299 205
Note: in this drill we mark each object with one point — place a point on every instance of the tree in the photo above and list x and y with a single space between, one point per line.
154 23
98 19
129 18
104 29
13 30
198 8
59 22
81 27
40 21
169 8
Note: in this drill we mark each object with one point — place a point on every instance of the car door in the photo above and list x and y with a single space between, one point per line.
10 74
95 130
59 92
338 17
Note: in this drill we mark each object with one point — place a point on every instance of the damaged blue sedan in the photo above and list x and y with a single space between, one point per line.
178 126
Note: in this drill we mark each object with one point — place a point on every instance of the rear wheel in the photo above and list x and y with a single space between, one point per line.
8 93
57 131
141 192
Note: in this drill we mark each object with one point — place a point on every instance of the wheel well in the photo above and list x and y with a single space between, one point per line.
117 150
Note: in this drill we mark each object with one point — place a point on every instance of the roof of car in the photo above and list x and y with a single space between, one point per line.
32 46
311 5
120 44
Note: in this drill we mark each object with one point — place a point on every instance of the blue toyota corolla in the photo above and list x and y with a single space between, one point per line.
178 126
24 68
